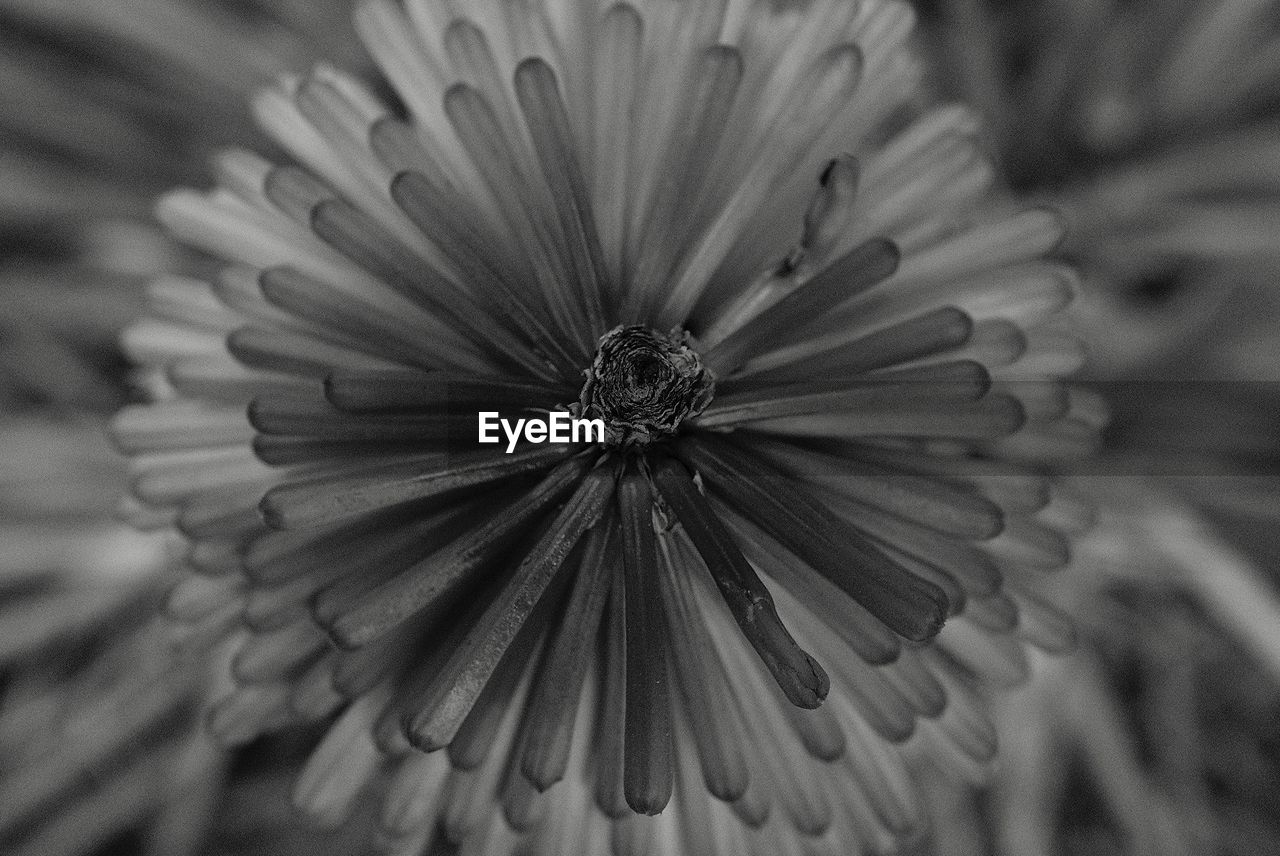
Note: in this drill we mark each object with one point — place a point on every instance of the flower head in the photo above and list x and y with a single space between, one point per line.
107 104
102 744
1152 127
812 393
1156 730
98 715
103 106
644 384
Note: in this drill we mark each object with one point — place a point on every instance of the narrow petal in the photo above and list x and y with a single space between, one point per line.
463 677
799 676
648 771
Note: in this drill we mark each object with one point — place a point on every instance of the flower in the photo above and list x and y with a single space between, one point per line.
102 744
1155 735
112 747
106 105
818 402
98 725
1153 130
103 106
61 312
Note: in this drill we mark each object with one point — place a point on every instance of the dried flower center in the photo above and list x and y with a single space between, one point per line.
643 384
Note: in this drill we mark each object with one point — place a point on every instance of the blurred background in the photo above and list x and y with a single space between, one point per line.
1153 125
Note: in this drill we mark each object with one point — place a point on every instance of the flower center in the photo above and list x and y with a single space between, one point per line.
643 384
